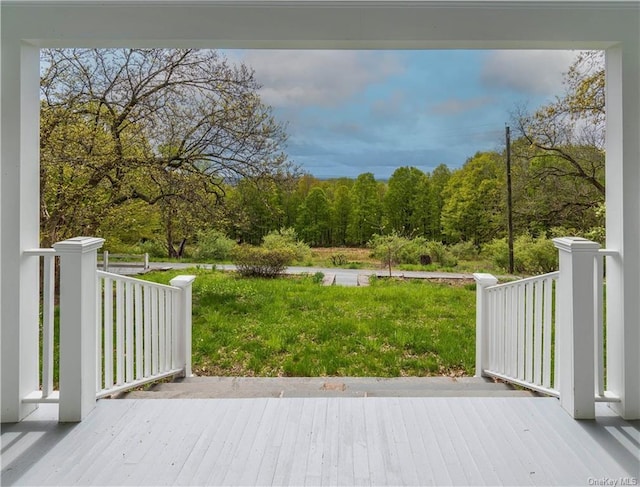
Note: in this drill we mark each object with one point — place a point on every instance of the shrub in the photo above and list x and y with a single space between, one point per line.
464 251
339 260
530 255
287 239
261 262
440 254
214 245
154 248
412 251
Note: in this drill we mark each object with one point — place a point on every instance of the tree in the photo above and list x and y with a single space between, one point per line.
340 214
438 180
387 248
366 214
314 218
571 129
154 125
405 202
474 200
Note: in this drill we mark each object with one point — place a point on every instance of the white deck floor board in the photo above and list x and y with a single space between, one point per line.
434 454
316 441
477 450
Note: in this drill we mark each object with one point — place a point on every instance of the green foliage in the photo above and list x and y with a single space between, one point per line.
261 262
162 127
388 248
286 239
366 209
339 260
406 201
464 251
314 217
214 245
530 255
413 251
440 253
474 200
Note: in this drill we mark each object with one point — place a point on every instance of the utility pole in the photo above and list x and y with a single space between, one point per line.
509 201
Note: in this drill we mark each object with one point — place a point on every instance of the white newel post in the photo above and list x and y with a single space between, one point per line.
575 326
183 354
78 260
483 281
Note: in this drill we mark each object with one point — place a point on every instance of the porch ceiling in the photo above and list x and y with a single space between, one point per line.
399 24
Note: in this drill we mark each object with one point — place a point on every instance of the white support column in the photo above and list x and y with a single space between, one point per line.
19 217
183 358
575 326
483 281
623 226
78 260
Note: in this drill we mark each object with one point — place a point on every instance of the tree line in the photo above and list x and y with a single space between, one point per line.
158 147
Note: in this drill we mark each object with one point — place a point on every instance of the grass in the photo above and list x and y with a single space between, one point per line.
295 327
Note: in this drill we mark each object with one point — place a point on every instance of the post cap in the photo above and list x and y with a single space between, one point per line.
182 281
485 279
575 244
79 244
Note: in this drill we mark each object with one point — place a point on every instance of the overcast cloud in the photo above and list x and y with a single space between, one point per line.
350 112
529 72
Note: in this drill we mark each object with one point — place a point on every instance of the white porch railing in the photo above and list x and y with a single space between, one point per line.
115 332
547 333
139 336
520 332
48 280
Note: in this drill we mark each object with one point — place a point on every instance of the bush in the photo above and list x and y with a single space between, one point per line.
154 248
440 254
214 245
286 239
412 251
464 251
338 260
530 255
261 262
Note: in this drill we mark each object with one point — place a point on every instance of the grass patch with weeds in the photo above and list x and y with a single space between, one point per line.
295 327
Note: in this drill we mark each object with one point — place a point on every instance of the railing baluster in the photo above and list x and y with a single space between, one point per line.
520 342
554 335
547 333
537 334
599 324
99 328
175 331
108 333
119 332
138 330
147 330
129 332
161 331
528 372
154 330
168 330
48 308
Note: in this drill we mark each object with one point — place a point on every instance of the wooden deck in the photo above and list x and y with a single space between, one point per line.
323 441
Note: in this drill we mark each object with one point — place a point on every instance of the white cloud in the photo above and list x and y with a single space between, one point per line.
455 106
313 77
530 72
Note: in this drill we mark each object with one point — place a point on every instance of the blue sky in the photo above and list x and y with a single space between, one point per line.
350 112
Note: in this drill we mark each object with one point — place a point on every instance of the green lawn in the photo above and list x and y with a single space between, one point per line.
294 327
